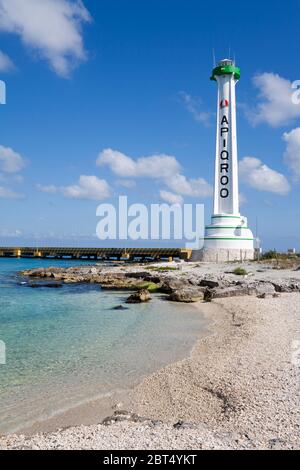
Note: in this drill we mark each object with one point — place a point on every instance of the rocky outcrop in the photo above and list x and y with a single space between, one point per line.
265 289
187 295
172 284
36 285
259 288
139 297
292 285
209 283
180 286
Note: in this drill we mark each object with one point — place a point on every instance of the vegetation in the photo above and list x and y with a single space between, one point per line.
150 286
240 271
271 254
163 268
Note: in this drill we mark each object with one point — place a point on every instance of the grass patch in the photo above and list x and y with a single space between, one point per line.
150 286
163 268
239 271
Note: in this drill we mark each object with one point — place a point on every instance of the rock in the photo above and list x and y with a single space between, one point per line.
34 272
261 296
172 284
209 283
277 444
94 271
119 307
260 289
219 293
138 297
120 415
57 276
53 285
73 280
121 284
187 295
152 278
137 275
287 286
264 289
184 425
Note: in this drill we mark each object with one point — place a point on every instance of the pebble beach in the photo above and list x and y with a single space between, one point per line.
238 389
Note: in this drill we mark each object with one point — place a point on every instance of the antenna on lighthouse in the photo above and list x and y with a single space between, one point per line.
214 57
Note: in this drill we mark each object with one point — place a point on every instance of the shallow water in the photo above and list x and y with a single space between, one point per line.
65 346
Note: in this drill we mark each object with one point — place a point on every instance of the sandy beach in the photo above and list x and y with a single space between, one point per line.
238 389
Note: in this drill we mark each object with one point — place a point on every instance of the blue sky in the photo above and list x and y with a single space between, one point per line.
99 93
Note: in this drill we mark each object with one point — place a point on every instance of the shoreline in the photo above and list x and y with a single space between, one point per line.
233 404
238 388
256 403
93 410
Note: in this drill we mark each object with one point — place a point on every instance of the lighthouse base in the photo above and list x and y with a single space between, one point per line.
223 255
228 238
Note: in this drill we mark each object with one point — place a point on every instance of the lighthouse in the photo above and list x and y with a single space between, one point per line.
228 236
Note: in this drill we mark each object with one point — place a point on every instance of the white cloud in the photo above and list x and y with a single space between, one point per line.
88 187
51 189
189 187
275 105
6 193
10 161
50 27
121 165
126 183
259 176
171 198
160 167
292 152
6 63
193 106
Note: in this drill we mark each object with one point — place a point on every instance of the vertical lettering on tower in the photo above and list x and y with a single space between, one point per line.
224 153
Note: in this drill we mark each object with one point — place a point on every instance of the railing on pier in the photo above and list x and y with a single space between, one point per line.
96 253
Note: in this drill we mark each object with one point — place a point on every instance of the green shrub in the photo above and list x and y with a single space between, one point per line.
150 286
163 268
271 254
240 271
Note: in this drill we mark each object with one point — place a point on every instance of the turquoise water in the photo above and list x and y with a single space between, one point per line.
65 346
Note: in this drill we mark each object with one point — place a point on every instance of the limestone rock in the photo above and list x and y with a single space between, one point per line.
172 284
138 297
53 285
264 289
209 283
187 295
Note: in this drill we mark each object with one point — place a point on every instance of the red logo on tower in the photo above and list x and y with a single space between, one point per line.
224 104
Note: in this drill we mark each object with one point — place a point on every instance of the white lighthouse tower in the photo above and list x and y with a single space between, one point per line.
228 237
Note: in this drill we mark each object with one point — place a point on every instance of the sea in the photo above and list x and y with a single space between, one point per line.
65 347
